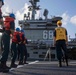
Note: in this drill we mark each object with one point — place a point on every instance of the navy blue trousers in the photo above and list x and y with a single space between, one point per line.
61 45
6 45
14 51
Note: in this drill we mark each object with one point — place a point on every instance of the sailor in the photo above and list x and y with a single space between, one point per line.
15 42
61 41
9 26
24 42
20 51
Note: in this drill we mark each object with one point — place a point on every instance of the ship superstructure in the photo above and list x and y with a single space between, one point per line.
39 32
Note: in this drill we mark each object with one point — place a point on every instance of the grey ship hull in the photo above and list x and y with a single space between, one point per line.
40 38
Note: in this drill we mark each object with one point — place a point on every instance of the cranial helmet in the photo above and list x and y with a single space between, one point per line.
17 29
22 30
12 15
59 23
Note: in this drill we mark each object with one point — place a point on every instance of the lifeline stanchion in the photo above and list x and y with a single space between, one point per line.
48 53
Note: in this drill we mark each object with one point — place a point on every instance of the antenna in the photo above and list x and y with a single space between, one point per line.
33 7
45 13
29 15
12 10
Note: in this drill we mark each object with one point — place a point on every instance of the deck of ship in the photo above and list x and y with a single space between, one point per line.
44 68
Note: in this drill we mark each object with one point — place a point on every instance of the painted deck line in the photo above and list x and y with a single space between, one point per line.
20 66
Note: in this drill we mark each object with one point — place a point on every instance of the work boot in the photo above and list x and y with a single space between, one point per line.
66 62
3 64
60 64
13 65
25 62
6 66
3 68
21 63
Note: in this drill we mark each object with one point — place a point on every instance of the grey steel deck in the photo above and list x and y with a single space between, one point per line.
44 68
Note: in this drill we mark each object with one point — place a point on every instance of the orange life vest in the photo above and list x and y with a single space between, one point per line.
7 22
23 41
20 36
14 39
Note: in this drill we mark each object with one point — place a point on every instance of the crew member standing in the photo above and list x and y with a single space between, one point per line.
9 26
60 41
20 51
24 42
15 42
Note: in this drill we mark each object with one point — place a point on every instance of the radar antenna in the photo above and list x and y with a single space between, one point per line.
45 13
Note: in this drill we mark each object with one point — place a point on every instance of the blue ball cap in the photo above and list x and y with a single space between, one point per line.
12 15
22 31
17 29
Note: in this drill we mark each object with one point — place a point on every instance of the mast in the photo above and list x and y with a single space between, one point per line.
33 8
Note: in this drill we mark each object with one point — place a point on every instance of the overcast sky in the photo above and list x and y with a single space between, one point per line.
64 8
